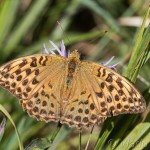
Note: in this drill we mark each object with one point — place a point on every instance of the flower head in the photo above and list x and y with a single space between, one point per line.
108 62
61 51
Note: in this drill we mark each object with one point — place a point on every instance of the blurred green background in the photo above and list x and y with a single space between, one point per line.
99 29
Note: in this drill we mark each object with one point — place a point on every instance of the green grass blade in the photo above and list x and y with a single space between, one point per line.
12 144
60 136
133 136
103 13
136 50
121 131
2 127
143 142
7 18
49 142
17 133
37 47
25 24
104 137
60 30
107 128
144 54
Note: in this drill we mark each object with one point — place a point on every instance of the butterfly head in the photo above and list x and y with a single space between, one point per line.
75 55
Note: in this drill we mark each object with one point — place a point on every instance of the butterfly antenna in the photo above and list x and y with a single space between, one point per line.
89 138
64 33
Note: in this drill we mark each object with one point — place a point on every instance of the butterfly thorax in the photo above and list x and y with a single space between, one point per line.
73 62
72 68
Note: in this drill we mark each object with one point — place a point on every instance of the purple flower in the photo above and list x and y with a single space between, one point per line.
61 51
108 62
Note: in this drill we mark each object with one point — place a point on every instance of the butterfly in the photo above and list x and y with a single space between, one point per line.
59 88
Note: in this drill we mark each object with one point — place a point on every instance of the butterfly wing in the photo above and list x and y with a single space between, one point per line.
113 94
36 81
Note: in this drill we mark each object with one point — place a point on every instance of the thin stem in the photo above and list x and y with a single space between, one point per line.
89 138
80 139
55 133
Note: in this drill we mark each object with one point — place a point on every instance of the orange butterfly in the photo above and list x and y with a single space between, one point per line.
66 89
